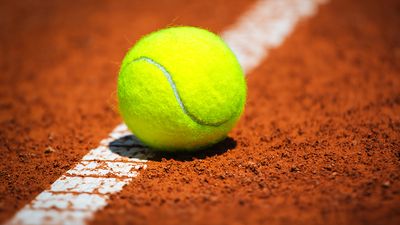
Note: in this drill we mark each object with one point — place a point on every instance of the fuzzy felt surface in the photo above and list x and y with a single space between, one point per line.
181 88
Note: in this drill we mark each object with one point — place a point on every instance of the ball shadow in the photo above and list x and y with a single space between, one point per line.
129 146
211 151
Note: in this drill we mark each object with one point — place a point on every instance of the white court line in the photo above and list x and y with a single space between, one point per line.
85 189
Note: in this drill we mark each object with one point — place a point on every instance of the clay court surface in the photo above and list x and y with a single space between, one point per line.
319 142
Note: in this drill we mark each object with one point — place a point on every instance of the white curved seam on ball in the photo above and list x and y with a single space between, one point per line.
176 93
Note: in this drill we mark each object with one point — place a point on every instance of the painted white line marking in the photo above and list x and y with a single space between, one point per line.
85 202
98 168
28 216
76 196
265 26
120 153
98 185
105 170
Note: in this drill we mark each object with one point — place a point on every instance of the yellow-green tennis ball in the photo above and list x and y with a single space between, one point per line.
181 88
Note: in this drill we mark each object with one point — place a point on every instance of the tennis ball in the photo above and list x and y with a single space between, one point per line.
181 88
